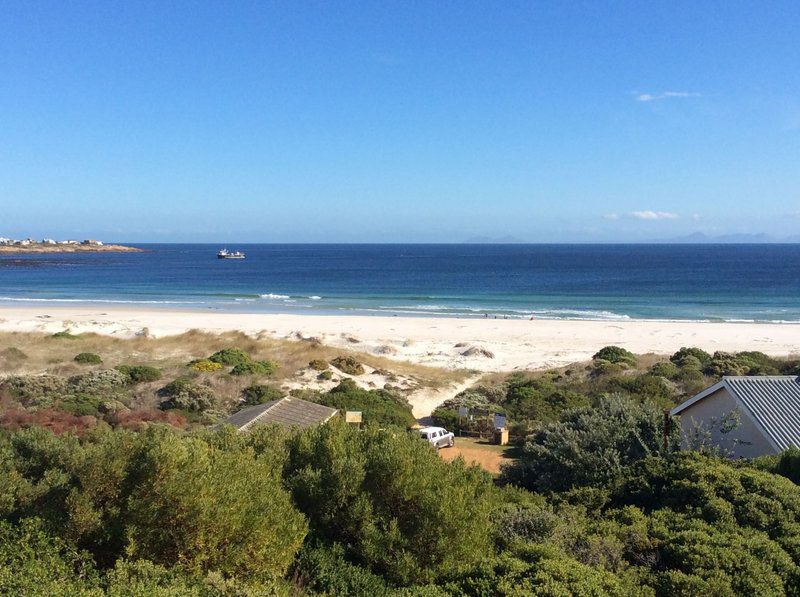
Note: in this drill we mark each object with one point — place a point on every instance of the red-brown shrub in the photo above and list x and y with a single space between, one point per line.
56 421
136 419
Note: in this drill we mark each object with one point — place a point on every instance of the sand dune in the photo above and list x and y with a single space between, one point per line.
480 344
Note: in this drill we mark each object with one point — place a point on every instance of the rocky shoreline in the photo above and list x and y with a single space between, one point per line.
46 248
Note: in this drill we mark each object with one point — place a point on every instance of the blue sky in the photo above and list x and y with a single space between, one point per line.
399 121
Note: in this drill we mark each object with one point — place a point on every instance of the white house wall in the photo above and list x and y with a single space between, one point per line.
751 441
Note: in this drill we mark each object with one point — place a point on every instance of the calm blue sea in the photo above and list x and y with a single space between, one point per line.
610 282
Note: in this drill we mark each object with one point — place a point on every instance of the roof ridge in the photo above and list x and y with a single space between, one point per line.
265 411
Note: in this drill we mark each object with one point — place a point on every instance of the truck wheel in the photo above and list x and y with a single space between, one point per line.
451 443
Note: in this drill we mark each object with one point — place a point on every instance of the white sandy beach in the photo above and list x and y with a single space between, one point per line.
515 344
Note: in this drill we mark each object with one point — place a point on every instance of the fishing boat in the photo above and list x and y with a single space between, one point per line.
226 254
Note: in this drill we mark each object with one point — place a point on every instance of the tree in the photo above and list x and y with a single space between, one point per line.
391 500
211 509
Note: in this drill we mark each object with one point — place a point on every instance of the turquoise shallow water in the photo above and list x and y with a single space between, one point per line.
683 282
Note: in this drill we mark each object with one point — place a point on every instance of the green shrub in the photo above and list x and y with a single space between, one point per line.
255 368
603 367
12 353
230 357
318 364
668 370
98 383
377 406
259 394
698 353
348 365
88 358
80 405
220 510
647 387
390 499
32 387
183 394
325 375
616 355
590 446
326 571
65 336
140 373
34 562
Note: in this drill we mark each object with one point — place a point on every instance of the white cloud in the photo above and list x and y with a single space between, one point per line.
654 215
611 217
697 217
652 97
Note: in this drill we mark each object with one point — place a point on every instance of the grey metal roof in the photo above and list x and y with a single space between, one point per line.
773 401
289 412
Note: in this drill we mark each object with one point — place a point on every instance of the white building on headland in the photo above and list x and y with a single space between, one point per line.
48 241
93 243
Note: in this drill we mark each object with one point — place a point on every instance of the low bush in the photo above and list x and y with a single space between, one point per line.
230 357
139 419
140 373
255 368
80 405
667 369
617 355
109 382
378 406
205 366
88 358
318 364
259 394
12 353
698 353
183 394
65 336
348 365
30 388
55 420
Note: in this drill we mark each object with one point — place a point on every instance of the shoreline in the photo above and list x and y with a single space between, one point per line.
433 341
43 249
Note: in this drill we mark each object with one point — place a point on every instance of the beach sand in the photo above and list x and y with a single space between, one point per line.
490 344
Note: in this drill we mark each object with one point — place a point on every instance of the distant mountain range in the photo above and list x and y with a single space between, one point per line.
696 238
702 238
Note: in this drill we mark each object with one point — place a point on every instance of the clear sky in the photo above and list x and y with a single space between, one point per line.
399 121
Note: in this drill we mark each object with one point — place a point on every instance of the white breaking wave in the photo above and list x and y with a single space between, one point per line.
272 296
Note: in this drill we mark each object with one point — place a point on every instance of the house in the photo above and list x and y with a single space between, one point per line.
6 241
92 243
288 412
48 241
767 409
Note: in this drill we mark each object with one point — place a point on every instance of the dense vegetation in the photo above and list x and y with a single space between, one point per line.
343 511
100 499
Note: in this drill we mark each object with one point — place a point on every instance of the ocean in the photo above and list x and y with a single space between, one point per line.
600 282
